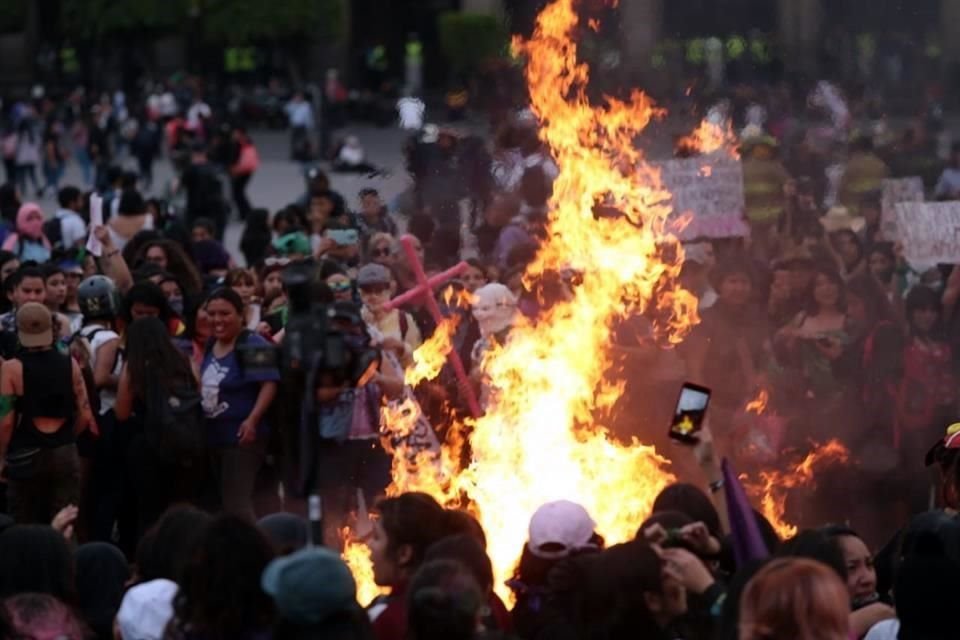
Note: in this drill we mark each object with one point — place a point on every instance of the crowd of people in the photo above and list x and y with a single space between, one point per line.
157 455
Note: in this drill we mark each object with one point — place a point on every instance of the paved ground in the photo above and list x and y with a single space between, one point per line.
280 181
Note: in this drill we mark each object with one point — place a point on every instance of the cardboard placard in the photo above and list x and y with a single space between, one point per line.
930 232
707 190
895 191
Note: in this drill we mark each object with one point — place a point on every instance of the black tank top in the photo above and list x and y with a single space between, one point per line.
47 393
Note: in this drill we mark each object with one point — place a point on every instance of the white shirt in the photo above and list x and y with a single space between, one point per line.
351 155
948 184
300 114
73 230
884 630
197 112
411 113
101 336
168 105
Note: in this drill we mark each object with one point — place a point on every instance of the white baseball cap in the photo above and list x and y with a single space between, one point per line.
146 609
559 528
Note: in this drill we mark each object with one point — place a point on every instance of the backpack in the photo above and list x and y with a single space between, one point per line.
173 421
53 230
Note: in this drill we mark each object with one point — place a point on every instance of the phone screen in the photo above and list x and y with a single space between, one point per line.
343 237
690 412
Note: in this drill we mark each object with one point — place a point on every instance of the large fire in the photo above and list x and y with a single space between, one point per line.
542 436
775 486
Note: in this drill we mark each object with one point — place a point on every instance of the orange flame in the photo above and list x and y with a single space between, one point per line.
541 437
357 556
710 137
429 359
759 404
776 485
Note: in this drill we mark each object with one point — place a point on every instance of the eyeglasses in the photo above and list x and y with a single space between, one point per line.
374 288
380 253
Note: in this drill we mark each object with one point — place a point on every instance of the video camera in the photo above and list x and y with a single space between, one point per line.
331 339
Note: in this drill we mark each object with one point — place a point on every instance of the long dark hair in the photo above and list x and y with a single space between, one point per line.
149 348
920 298
220 594
36 558
444 602
812 307
178 263
415 520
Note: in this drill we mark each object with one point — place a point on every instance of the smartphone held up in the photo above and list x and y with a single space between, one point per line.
690 413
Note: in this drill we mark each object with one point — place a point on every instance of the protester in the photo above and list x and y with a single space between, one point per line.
50 408
235 401
168 466
220 594
28 241
315 596
794 598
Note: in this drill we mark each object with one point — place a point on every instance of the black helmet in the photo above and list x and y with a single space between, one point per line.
98 298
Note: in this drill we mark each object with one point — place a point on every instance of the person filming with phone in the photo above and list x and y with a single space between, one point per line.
728 351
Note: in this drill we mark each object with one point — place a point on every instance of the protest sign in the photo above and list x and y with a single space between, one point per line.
709 191
930 232
896 190
96 220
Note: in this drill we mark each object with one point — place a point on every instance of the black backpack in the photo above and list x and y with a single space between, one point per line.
53 229
173 422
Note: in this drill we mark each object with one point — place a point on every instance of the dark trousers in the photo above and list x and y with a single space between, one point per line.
238 187
234 472
158 483
53 484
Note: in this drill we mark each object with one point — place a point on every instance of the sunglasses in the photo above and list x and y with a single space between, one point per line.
374 288
274 261
380 253
340 287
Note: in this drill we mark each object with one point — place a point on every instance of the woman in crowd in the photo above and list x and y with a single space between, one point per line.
926 393
795 598
861 574
380 249
235 401
220 594
244 282
400 332
170 257
809 346
728 351
102 575
541 554
152 362
271 276
406 527
27 241
36 559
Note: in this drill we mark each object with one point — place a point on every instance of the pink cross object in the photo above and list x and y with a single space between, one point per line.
425 288
433 282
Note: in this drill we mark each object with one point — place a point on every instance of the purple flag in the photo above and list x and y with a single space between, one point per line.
744 532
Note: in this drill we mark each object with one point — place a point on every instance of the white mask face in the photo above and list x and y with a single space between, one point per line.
494 307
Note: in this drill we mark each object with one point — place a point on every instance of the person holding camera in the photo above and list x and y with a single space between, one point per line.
235 402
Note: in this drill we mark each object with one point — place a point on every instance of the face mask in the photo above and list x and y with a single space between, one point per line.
176 304
494 307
